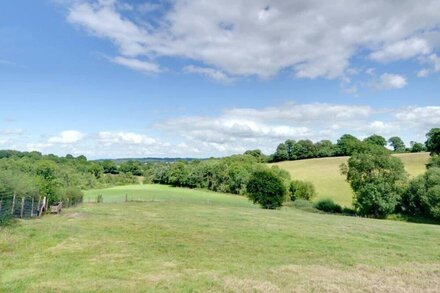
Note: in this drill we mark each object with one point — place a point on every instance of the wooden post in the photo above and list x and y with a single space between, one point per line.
42 206
38 205
13 203
22 207
32 208
1 206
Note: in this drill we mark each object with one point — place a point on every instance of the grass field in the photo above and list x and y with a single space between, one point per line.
329 183
198 241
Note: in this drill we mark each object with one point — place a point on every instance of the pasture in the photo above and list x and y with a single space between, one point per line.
199 241
329 183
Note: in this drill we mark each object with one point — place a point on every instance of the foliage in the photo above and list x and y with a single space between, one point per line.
346 145
376 140
328 205
301 190
417 147
434 161
397 144
266 189
377 179
131 167
257 154
422 198
433 141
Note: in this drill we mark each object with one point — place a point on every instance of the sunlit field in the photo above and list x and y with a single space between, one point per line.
174 239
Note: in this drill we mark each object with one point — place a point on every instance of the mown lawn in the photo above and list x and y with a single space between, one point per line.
329 183
197 241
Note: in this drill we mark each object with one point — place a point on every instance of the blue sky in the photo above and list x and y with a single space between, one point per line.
114 78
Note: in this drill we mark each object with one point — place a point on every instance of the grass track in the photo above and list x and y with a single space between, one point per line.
329 183
189 240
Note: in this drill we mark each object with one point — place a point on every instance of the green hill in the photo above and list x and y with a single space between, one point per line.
324 174
185 240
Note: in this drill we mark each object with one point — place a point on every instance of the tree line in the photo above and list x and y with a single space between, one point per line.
346 145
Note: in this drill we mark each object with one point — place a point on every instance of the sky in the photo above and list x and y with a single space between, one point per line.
125 78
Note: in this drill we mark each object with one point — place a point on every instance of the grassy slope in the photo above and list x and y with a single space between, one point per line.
186 240
324 174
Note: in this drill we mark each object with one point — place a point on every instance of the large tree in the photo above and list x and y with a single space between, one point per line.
376 140
281 154
346 145
377 179
433 141
397 144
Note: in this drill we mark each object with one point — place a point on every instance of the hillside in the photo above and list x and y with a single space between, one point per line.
324 174
198 241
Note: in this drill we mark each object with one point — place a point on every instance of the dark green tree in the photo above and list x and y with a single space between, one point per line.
281 154
397 144
346 145
433 141
266 189
376 140
377 179
417 147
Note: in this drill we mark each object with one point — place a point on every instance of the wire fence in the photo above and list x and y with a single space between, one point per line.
28 206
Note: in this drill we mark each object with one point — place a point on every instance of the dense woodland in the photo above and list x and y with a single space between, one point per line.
380 184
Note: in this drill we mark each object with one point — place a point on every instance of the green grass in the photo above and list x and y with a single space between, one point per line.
197 241
329 183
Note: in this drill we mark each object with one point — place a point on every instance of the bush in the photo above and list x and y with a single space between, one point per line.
5 219
301 190
266 189
328 205
74 195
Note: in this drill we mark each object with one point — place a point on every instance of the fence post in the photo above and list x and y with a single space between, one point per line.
40 212
13 203
38 205
32 208
126 197
22 207
1 206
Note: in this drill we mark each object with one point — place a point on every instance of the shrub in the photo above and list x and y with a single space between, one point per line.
5 219
74 195
301 190
266 189
328 205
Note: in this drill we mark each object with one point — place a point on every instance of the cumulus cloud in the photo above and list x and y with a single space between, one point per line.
403 49
108 137
389 81
251 37
67 137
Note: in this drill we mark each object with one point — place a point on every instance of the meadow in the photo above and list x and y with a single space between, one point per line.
198 241
329 183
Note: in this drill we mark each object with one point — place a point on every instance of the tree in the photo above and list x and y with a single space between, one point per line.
281 154
290 144
423 195
377 179
131 167
417 147
304 149
346 145
433 141
376 140
397 144
257 154
109 167
325 148
266 189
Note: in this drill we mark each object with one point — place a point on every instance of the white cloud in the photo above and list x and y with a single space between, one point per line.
211 73
251 37
135 64
420 117
402 49
108 137
67 137
390 81
423 72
